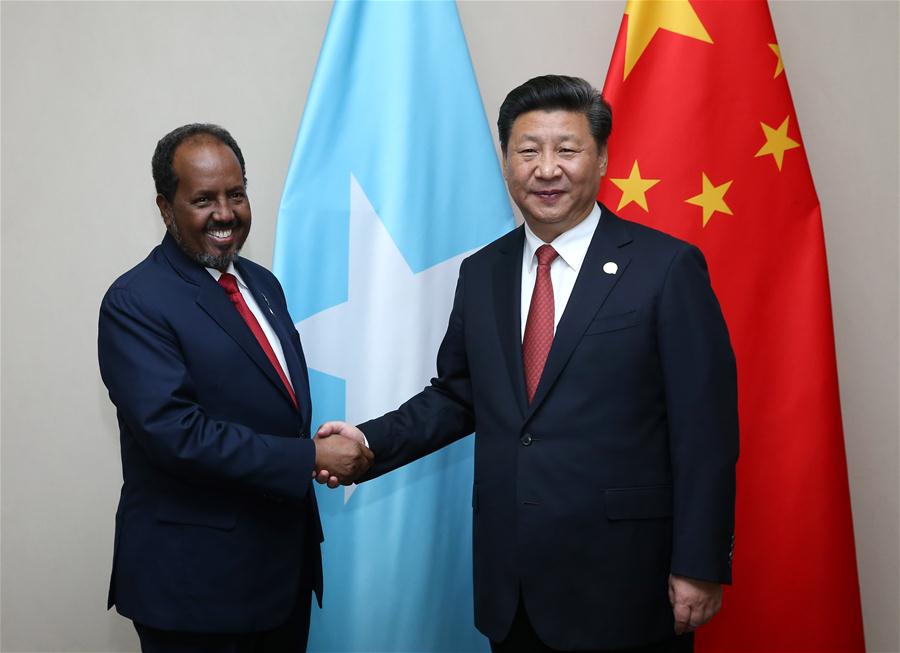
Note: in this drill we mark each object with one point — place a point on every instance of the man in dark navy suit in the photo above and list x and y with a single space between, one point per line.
217 531
590 356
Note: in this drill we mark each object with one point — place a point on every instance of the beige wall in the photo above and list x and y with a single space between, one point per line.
88 88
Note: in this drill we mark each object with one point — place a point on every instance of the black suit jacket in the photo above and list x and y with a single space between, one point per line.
217 520
622 468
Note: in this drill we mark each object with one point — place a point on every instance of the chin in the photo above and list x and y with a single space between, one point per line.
219 260
548 220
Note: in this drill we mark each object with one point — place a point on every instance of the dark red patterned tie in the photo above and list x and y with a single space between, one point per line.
539 325
229 283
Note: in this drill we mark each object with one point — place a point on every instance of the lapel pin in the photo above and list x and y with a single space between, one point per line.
268 305
610 268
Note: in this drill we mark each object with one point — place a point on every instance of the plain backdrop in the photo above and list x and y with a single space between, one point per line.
87 90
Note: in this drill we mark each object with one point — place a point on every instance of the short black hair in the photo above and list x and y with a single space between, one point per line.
164 176
553 93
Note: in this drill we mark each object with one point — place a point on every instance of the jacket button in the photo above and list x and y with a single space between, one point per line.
527 440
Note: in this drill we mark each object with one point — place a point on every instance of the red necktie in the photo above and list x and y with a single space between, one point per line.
539 326
229 283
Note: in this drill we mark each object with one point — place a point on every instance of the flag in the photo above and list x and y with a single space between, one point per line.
706 146
393 179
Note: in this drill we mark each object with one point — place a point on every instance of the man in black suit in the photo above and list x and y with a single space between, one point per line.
591 357
217 530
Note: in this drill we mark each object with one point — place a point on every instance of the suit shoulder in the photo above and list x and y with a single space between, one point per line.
648 236
144 273
153 284
666 250
254 268
505 244
256 274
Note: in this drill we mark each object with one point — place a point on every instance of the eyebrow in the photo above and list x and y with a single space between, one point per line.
564 137
210 191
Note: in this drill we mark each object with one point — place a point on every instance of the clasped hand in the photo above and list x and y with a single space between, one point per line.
343 459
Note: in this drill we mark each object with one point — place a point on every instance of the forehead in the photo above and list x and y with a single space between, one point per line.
206 160
555 124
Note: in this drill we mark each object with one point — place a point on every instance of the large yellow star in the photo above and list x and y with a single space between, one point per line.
634 188
777 141
779 67
712 199
647 17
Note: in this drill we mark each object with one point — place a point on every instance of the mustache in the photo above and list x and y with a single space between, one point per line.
218 224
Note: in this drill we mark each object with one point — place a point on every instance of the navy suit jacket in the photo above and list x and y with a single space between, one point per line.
622 468
217 527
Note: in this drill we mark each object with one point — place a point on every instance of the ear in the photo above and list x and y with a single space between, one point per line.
604 160
504 165
165 209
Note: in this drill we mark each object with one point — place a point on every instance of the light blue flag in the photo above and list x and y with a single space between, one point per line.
393 180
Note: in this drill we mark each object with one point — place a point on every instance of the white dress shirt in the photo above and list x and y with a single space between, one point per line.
260 315
572 247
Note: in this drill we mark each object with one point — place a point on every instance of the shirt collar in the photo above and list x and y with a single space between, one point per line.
571 245
231 270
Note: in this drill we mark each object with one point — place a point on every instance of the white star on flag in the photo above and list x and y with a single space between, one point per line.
383 340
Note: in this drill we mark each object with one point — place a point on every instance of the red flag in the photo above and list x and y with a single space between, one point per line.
706 146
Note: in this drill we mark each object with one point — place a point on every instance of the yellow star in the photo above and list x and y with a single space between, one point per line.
779 67
647 17
634 188
777 141
712 199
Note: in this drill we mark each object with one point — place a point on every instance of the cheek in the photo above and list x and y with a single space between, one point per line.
517 180
585 177
198 224
190 217
517 190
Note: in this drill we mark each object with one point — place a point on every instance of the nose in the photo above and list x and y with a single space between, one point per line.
547 167
223 212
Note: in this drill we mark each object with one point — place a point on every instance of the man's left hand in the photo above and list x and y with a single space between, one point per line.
694 602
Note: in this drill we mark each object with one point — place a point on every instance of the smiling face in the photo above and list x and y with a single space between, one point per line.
553 169
209 215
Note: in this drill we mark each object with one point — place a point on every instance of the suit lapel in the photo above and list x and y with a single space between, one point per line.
282 325
296 366
591 288
214 301
508 311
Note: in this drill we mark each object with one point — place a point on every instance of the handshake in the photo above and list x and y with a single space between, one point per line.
341 454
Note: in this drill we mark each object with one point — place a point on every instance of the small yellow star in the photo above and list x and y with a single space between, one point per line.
779 67
777 141
712 199
634 188
647 17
